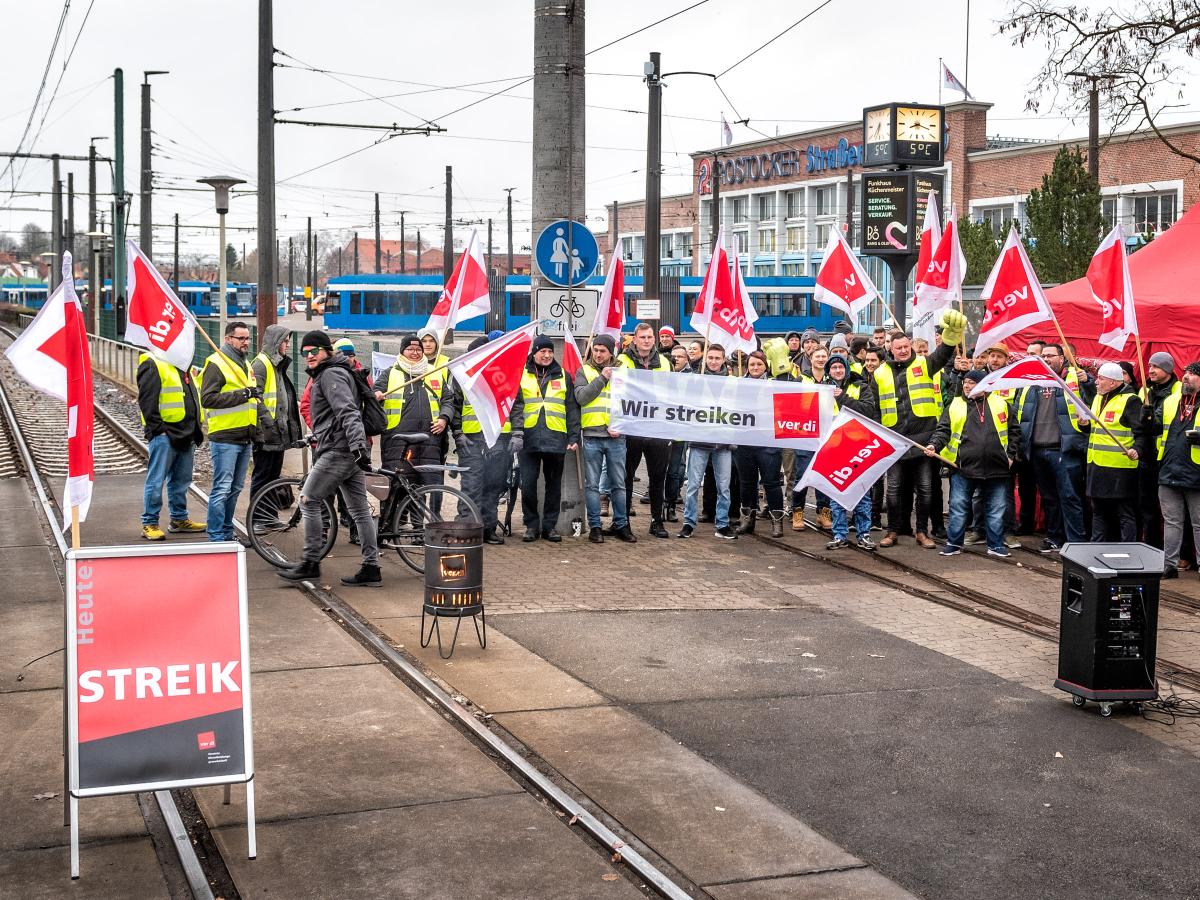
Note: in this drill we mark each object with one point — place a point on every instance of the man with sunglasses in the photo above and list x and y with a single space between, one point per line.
229 396
341 457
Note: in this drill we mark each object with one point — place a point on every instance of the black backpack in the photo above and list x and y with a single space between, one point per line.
373 417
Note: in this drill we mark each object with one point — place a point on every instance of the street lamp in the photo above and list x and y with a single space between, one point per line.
221 185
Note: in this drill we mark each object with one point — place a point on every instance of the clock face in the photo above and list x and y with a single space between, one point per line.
878 125
915 123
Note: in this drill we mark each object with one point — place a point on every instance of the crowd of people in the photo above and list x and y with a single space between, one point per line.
1019 462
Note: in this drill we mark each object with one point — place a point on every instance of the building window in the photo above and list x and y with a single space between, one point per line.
766 240
740 207
1108 209
1153 212
793 268
826 201
766 207
795 239
764 270
666 247
995 216
795 204
741 242
683 245
823 235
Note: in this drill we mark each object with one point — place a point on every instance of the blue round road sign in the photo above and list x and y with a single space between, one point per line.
566 253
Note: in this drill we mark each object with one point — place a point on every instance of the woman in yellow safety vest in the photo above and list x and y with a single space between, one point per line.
411 407
979 436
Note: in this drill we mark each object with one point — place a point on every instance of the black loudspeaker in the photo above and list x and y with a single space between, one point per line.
1108 629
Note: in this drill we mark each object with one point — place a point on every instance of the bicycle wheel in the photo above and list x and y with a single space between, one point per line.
276 525
427 503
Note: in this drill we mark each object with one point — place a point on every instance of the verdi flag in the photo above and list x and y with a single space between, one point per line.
852 458
842 282
158 319
1012 296
490 376
1108 277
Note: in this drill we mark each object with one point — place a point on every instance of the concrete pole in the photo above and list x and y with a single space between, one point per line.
93 274
118 267
616 234
510 237
1094 128
355 252
222 277
448 231
309 294
70 230
558 162
377 255
145 229
56 235
403 247
653 228
175 267
489 250
267 262
292 274
716 204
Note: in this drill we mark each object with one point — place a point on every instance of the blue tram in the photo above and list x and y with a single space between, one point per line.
404 302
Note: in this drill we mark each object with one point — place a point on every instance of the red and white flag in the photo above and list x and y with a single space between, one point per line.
52 355
940 281
1012 296
950 81
717 290
572 362
1108 276
610 313
158 319
841 281
466 294
1031 371
853 457
931 233
490 377
732 322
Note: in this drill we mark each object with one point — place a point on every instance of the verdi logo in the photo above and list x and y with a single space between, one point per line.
797 415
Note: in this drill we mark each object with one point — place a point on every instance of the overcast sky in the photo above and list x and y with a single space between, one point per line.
849 54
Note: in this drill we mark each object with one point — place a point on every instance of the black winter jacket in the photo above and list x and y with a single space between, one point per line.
1176 468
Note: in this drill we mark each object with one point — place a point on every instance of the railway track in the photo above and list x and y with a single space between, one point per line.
935 588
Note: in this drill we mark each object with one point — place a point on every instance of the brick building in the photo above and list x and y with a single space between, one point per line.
780 196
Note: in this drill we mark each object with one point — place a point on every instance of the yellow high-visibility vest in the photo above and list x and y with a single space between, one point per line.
958 421
1170 410
595 413
553 404
922 392
171 407
393 404
1102 449
270 397
231 418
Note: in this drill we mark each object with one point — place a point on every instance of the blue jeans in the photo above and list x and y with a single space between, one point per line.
722 463
229 462
607 453
992 490
175 468
841 518
800 495
1060 482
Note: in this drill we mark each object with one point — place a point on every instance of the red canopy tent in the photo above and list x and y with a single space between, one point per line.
1166 288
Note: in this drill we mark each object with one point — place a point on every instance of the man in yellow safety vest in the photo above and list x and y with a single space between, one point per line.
229 396
170 411
602 445
1112 457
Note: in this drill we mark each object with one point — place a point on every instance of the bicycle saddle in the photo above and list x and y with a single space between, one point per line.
418 437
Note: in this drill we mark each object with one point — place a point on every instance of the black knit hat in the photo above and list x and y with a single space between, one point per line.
541 342
317 339
410 338
1192 368
605 340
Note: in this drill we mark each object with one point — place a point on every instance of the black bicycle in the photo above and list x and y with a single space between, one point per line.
275 521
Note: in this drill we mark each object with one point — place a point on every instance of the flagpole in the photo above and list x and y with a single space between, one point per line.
1137 340
1065 345
74 527
941 78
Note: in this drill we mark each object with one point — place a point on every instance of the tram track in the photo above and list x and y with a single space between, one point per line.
970 601
537 777
31 444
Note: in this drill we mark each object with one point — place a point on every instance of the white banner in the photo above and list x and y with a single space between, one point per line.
380 363
711 409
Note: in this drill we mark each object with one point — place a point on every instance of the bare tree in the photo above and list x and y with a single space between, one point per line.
1139 56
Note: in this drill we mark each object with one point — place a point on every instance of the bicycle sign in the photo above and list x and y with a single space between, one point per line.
561 309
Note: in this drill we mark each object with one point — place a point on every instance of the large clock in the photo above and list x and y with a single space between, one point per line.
904 134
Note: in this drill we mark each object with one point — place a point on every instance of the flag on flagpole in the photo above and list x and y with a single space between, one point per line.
841 281
1012 296
734 321
717 289
853 456
52 355
466 294
931 234
726 132
157 319
1108 277
610 311
1031 371
949 81
941 281
490 377
572 362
